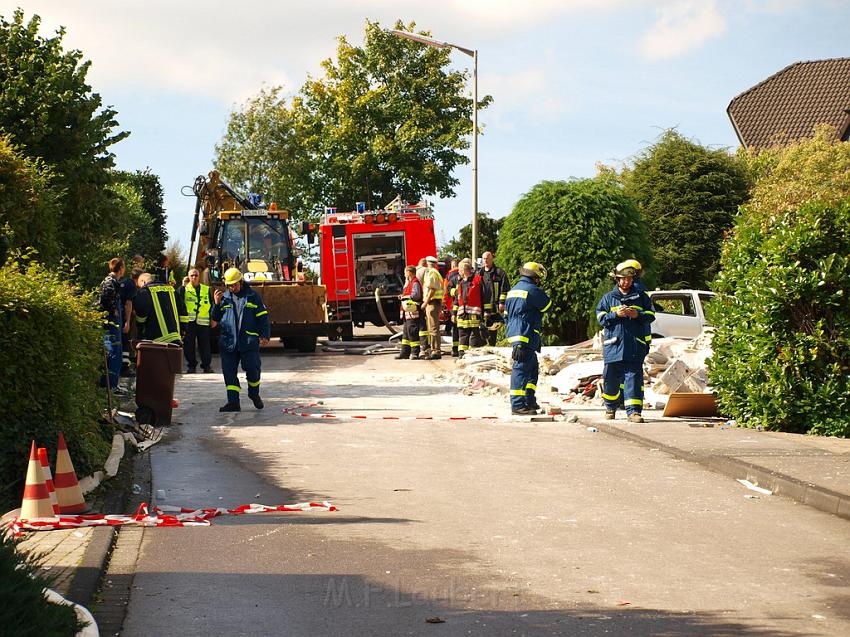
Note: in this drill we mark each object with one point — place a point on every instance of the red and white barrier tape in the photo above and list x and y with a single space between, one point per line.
161 516
297 411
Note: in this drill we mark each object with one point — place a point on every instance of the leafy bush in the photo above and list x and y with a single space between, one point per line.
51 356
579 230
28 203
817 169
688 195
23 607
782 343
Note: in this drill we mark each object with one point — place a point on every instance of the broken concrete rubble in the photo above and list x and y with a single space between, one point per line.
672 366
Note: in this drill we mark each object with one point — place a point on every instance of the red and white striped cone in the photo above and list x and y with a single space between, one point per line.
36 500
48 478
68 490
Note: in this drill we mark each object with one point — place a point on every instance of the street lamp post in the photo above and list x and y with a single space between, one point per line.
437 44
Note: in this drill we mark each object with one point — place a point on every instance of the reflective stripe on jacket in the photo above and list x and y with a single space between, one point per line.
198 303
433 281
411 299
525 305
495 284
159 313
243 320
624 338
468 296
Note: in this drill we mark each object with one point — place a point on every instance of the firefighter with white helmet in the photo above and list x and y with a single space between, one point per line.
243 326
525 305
624 314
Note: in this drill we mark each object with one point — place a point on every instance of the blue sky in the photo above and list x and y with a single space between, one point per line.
574 82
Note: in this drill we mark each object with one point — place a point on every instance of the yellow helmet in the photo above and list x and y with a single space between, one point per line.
233 275
530 268
632 263
631 267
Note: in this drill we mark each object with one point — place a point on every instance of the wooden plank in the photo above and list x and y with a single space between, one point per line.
681 404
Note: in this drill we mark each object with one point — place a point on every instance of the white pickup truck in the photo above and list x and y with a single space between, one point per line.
679 313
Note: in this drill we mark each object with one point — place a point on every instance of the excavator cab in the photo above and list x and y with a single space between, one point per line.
260 247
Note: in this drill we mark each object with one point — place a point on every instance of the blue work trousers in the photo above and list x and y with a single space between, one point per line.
230 365
524 381
112 342
628 378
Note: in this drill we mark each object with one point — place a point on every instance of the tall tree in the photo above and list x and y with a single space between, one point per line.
151 236
488 237
688 195
51 114
262 151
386 119
578 230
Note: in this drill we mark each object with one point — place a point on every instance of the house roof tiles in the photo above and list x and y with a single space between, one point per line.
787 106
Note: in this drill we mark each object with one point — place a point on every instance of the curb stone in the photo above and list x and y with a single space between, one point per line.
812 495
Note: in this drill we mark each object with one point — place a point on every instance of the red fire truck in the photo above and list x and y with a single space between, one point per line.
365 252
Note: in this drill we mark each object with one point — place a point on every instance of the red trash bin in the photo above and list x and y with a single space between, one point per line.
156 366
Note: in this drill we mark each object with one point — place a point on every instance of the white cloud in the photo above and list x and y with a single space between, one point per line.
531 93
681 27
223 50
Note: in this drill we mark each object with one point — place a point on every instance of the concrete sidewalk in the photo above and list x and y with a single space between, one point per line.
811 470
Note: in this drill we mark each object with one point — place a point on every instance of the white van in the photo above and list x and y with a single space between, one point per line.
679 313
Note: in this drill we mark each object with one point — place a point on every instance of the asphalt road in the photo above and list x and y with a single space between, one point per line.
495 526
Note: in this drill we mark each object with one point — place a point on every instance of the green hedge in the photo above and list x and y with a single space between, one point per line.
782 322
51 357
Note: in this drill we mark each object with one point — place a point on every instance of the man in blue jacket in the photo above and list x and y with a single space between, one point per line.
243 323
525 305
624 314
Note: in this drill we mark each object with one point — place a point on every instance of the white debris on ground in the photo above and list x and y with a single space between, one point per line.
673 365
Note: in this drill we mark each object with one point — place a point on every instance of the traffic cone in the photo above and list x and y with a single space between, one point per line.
68 490
48 478
36 501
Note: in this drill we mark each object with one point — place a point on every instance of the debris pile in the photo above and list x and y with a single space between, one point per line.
673 366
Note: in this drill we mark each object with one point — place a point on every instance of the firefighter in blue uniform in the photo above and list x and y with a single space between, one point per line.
624 314
243 323
525 305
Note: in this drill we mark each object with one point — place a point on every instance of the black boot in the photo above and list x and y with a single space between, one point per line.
230 407
404 353
258 402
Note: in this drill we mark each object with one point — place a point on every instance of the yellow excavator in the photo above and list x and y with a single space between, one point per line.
230 230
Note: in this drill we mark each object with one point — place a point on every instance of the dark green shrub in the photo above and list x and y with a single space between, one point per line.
688 195
579 230
51 356
24 611
28 204
782 342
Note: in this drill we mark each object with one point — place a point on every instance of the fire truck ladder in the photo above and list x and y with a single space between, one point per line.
342 274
